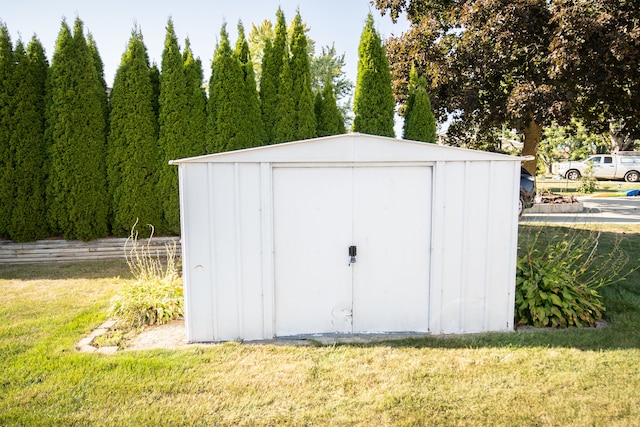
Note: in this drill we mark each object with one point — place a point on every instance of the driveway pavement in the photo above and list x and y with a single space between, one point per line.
596 209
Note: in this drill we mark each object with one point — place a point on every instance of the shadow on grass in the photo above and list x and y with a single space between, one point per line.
66 270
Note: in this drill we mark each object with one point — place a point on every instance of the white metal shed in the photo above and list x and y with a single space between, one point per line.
268 236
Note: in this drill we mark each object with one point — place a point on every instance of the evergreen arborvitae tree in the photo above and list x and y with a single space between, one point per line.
419 121
57 80
77 128
155 83
285 110
301 92
373 104
268 91
132 150
104 102
7 88
411 94
328 115
227 94
98 64
212 112
28 216
253 125
197 103
317 108
275 55
173 125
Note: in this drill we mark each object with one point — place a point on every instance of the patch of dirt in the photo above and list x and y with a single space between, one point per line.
173 336
169 336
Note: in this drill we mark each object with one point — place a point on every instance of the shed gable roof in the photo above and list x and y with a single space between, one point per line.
351 147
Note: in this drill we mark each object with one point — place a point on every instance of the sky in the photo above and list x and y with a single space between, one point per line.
111 22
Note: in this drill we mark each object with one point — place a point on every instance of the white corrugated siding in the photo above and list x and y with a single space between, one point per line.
226 251
474 243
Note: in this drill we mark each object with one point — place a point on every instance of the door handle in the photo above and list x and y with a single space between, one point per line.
353 251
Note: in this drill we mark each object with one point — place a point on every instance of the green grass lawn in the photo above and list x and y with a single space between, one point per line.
574 377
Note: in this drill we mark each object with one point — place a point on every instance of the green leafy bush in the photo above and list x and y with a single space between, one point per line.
558 277
156 296
588 182
588 185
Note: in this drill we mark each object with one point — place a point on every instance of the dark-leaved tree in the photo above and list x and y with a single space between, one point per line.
526 63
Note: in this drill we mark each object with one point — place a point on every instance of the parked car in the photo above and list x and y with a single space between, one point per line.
527 190
621 165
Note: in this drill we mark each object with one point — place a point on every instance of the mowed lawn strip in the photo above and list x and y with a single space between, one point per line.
571 377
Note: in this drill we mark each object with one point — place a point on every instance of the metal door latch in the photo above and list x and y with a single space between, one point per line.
352 255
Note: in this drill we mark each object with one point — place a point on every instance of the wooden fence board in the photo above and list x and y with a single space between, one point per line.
63 250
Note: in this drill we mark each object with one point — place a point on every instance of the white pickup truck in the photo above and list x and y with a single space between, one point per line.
621 165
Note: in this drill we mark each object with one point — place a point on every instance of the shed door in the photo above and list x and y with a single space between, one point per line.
318 214
392 207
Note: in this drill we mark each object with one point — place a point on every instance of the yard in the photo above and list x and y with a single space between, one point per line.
568 187
571 377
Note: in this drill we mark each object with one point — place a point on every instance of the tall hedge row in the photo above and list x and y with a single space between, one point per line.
79 160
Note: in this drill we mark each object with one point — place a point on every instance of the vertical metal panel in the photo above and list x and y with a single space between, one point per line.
511 252
475 233
237 250
266 227
452 247
249 234
197 263
225 247
503 260
477 193
223 251
492 228
437 245
237 228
